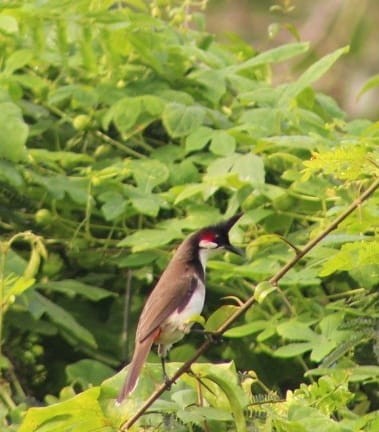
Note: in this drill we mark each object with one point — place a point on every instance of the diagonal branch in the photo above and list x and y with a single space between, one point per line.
248 303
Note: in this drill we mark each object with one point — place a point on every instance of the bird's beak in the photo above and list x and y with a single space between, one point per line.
233 249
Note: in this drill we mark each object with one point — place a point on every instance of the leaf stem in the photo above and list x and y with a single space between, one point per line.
122 147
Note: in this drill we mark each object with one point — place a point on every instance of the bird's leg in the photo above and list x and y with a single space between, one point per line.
212 336
162 352
166 378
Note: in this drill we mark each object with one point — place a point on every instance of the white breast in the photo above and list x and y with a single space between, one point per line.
179 323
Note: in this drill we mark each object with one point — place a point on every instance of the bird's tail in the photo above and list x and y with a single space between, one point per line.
140 353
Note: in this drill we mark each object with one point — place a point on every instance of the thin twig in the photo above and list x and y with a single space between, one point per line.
245 306
120 146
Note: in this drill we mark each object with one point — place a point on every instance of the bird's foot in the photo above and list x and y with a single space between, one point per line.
212 336
167 381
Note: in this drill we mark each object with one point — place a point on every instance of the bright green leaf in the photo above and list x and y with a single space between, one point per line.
262 290
275 55
88 372
83 412
180 120
219 317
148 239
297 330
17 60
222 143
114 205
312 74
293 349
198 139
370 84
8 25
13 133
250 168
149 173
246 329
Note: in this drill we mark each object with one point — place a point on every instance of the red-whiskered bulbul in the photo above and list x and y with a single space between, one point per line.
177 298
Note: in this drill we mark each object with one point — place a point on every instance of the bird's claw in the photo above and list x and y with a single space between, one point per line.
167 382
213 337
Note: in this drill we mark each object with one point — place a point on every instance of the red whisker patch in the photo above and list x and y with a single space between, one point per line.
208 236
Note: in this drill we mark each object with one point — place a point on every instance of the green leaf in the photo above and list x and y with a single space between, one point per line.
145 203
181 120
293 349
148 239
13 133
262 290
18 60
82 412
64 320
184 398
275 55
190 190
219 317
11 174
135 260
351 255
246 329
14 263
197 414
322 348
250 168
198 139
73 288
152 105
77 189
88 372
183 173
212 82
261 122
14 286
8 25
114 205
312 74
296 330
149 173
66 159
225 379
124 113
222 143
364 373
369 85
81 96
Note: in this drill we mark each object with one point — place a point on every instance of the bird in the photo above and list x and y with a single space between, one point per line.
177 297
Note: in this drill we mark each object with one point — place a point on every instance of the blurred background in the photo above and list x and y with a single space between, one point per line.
327 25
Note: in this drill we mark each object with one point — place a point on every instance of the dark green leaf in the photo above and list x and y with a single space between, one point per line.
65 321
73 288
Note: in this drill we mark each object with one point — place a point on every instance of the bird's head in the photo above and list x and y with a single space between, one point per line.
216 237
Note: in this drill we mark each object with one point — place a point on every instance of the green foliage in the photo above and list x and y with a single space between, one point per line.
122 129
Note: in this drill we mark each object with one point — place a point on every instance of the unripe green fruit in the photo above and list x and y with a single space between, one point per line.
43 217
81 121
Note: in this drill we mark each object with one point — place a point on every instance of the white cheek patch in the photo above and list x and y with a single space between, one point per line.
206 244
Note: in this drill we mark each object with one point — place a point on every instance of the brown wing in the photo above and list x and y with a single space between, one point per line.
173 291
